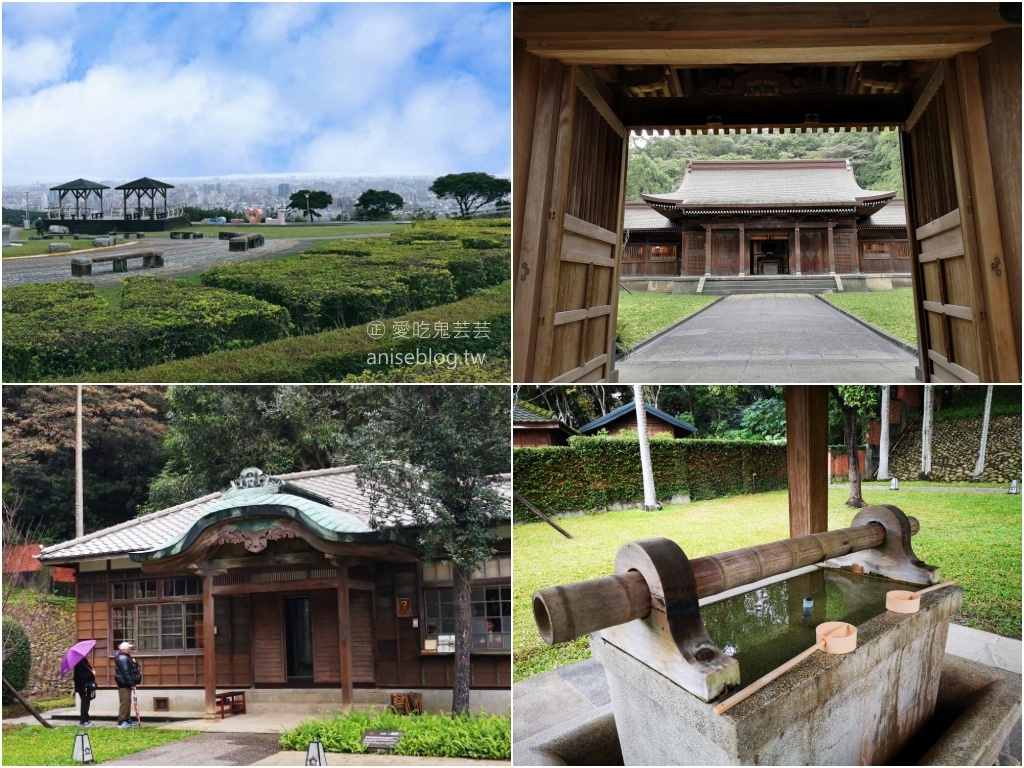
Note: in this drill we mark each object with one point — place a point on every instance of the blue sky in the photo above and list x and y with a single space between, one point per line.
121 90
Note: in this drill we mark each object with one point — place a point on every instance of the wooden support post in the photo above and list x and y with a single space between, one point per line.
707 249
681 270
855 246
796 249
743 251
344 638
209 648
831 250
807 451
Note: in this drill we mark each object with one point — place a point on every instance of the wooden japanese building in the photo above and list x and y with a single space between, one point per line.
947 76
623 419
280 582
766 217
536 427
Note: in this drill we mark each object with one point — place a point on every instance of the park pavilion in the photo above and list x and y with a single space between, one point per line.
766 217
144 208
281 583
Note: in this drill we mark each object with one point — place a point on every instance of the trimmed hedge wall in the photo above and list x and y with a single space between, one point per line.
339 284
335 355
160 319
592 472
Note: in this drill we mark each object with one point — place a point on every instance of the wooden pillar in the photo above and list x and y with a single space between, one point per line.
796 249
209 647
743 251
831 250
682 253
807 456
707 249
645 254
345 638
856 247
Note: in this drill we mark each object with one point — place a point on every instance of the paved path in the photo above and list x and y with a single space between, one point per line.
180 257
775 338
208 749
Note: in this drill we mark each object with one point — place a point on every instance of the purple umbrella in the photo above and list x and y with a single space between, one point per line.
75 654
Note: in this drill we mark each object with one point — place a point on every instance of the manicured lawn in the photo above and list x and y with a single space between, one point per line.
37 247
35 745
892 311
641 314
294 231
974 538
481 737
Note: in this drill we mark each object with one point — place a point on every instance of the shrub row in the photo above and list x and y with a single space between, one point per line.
593 473
339 284
335 355
160 319
22 299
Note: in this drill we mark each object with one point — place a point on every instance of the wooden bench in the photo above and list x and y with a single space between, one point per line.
245 242
229 235
81 266
230 701
181 234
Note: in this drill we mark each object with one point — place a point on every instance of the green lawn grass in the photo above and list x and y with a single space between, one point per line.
974 538
641 314
35 745
293 231
892 311
37 247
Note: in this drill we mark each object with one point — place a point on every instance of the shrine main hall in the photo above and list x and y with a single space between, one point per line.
766 217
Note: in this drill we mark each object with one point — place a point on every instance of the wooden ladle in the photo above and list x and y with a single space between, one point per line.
902 601
832 637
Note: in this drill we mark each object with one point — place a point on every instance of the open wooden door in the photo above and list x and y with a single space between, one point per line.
961 286
568 234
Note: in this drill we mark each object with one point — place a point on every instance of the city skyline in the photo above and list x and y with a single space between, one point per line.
239 90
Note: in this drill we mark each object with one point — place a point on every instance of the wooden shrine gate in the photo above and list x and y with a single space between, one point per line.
585 75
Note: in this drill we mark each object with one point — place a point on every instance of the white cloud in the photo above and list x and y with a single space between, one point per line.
35 62
180 122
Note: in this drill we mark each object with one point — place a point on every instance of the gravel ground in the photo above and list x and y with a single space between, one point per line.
180 257
208 749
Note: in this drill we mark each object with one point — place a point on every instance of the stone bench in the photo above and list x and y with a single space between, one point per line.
103 242
59 247
180 234
245 242
81 266
229 235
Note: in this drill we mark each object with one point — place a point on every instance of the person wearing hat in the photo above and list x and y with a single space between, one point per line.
127 675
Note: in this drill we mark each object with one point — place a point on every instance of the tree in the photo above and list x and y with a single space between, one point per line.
430 453
650 495
123 433
377 204
883 445
644 176
854 401
979 467
472 191
310 202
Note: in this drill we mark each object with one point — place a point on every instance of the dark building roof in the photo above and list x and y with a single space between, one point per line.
892 216
826 185
626 409
528 412
79 184
145 183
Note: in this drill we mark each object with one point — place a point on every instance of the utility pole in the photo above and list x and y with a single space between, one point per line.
79 485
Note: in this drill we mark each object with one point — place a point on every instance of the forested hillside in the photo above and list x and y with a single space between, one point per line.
657 164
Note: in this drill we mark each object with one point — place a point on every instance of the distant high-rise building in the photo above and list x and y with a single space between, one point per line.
284 190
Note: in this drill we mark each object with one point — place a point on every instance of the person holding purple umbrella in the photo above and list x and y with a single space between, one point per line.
85 687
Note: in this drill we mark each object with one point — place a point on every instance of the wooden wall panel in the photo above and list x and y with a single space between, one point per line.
695 253
361 607
269 652
725 247
814 251
326 659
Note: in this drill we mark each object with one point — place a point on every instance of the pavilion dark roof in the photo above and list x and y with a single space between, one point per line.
608 418
146 183
892 216
79 184
529 413
767 185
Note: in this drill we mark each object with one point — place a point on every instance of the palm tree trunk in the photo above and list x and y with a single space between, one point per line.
979 468
883 442
650 495
926 434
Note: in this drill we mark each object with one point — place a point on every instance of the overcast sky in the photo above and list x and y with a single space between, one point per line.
124 90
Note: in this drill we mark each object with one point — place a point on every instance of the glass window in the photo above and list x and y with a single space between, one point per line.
491 611
440 610
123 625
193 625
182 587
171 627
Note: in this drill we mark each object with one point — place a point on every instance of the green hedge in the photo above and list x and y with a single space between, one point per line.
18 662
338 284
160 319
335 355
593 473
22 299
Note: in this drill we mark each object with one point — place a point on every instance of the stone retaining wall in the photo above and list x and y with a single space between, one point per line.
955 451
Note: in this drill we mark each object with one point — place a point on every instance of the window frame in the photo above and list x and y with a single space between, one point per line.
158 603
428 585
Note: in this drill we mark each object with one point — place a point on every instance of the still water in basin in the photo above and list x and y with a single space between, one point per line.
768 626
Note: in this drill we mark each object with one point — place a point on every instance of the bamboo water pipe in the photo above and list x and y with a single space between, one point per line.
566 612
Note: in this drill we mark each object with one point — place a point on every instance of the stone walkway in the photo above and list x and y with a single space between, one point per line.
180 257
772 338
208 749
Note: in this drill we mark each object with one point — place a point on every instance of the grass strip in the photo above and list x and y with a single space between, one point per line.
641 314
334 355
892 311
35 745
974 538
479 737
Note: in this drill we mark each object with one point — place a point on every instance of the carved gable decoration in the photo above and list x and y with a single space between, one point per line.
254 535
254 478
